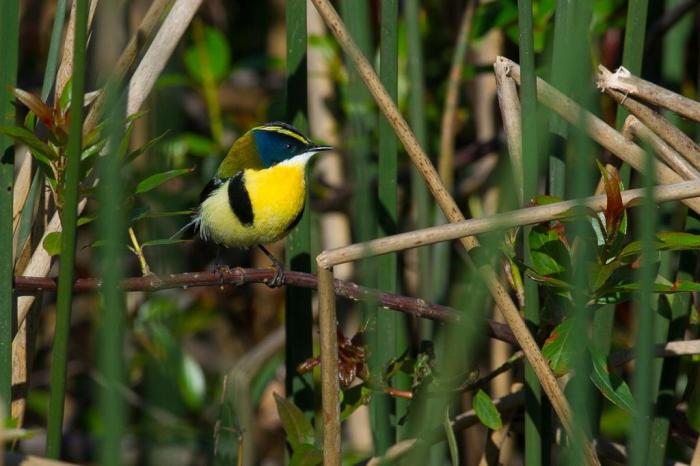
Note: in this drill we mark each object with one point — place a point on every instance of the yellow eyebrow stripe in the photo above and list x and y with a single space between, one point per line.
279 129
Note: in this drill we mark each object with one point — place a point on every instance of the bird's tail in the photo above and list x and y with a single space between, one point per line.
195 223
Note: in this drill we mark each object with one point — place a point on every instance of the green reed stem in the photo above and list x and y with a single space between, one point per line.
111 229
633 49
645 316
535 425
69 223
298 317
9 25
419 190
385 333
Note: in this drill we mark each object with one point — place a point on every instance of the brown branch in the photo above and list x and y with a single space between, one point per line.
239 276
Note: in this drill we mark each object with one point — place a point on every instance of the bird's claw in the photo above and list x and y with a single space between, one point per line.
221 270
278 278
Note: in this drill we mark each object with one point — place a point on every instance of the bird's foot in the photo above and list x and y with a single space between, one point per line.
221 271
278 278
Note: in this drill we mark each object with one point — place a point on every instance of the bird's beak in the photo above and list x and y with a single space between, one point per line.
320 148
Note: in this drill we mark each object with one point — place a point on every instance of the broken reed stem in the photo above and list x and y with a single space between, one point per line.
451 210
141 38
509 104
447 126
515 218
600 131
625 82
673 159
654 121
327 322
158 54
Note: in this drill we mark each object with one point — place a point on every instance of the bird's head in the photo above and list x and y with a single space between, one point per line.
277 142
267 145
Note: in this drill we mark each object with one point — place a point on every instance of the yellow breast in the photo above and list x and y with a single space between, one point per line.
277 197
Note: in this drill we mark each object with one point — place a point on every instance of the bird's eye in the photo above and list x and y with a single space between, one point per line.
287 146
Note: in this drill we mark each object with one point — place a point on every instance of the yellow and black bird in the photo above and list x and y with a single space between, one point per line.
257 195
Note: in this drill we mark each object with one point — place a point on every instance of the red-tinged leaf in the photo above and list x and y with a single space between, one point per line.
558 348
614 207
36 105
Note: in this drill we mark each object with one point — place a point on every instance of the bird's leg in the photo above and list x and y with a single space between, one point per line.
278 278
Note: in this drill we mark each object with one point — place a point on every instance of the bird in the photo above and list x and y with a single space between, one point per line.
258 192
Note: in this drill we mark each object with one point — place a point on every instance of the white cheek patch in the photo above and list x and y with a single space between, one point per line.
301 159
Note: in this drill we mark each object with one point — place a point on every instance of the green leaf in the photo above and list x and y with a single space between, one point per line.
558 348
218 55
52 243
665 241
136 153
156 180
353 398
306 455
24 136
548 253
612 386
298 428
486 411
191 382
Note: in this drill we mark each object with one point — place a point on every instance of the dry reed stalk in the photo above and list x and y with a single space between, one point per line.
453 214
327 322
515 218
449 113
654 121
509 103
625 82
138 40
158 54
23 182
65 69
673 159
600 131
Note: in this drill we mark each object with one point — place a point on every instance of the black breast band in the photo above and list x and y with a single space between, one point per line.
239 199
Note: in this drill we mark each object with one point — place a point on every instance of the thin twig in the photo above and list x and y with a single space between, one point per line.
138 250
601 132
448 205
673 159
627 83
